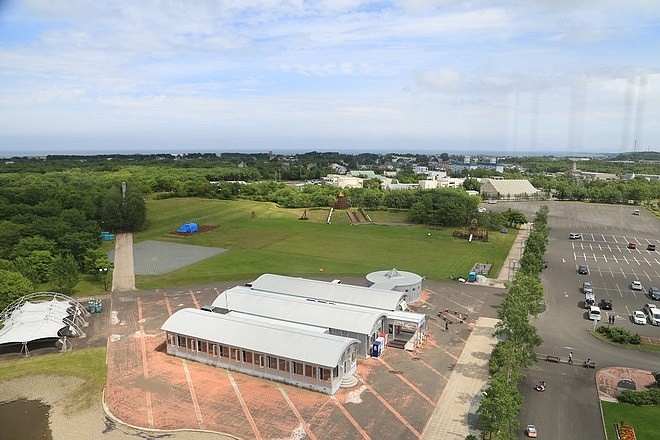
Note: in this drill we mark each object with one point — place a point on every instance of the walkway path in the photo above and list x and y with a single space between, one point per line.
457 404
123 275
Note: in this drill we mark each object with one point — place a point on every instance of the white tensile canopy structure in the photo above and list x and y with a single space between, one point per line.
39 316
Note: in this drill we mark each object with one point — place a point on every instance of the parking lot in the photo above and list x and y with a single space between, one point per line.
569 409
614 264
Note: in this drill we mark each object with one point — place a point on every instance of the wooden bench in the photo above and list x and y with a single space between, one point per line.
552 359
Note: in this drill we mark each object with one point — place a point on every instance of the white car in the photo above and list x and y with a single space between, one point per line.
531 431
481 209
653 314
639 317
575 236
636 285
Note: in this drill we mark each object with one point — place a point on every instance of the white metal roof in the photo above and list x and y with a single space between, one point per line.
34 320
303 310
323 290
401 315
389 279
274 337
512 187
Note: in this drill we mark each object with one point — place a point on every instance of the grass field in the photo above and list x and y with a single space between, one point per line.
274 240
643 418
88 364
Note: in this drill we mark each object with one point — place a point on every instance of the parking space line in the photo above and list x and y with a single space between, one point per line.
192 295
295 411
619 289
407 382
617 261
609 247
648 276
438 373
604 240
246 410
604 258
625 259
168 306
350 418
615 240
193 395
145 366
612 272
637 261
390 408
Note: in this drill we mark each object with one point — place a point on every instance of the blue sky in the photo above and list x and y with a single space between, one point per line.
329 75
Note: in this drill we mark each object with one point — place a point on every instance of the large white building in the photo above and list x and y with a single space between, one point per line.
303 332
511 189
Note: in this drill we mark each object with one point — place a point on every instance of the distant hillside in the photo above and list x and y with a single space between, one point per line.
638 155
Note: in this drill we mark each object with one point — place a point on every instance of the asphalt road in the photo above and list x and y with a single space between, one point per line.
569 408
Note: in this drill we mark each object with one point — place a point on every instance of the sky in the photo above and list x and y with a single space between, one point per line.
329 75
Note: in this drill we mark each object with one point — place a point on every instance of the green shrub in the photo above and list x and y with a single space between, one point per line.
641 398
619 335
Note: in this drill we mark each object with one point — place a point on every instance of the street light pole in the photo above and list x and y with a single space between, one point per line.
104 273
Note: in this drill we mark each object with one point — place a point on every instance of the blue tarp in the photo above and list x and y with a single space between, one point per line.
189 227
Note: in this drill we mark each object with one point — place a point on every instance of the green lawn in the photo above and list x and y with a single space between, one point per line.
276 241
644 419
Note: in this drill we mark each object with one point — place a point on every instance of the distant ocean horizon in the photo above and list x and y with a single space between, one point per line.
485 152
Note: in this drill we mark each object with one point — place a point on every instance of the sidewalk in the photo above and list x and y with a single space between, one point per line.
512 262
455 411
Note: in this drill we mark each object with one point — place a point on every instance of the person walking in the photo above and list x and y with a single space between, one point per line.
570 357
446 326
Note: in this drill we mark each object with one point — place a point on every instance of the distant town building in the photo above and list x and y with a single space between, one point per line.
509 189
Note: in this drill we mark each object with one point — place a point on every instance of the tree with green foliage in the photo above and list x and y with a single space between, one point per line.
13 285
123 213
514 218
36 266
64 274
500 407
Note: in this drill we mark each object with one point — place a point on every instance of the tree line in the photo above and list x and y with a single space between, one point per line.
517 338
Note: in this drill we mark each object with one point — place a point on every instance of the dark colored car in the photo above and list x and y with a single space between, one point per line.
632 246
606 304
650 247
654 293
583 269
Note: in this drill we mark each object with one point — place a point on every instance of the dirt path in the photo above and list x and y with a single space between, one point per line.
123 276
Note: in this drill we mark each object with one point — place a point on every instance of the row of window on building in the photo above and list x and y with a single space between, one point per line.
247 357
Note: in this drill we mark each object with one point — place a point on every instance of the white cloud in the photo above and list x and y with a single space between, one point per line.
549 72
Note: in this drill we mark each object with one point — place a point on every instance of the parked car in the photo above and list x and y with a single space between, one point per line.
575 235
589 299
587 287
606 304
583 269
636 212
636 285
650 247
481 209
647 307
639 317
654 315
632 246
531 431
654 293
